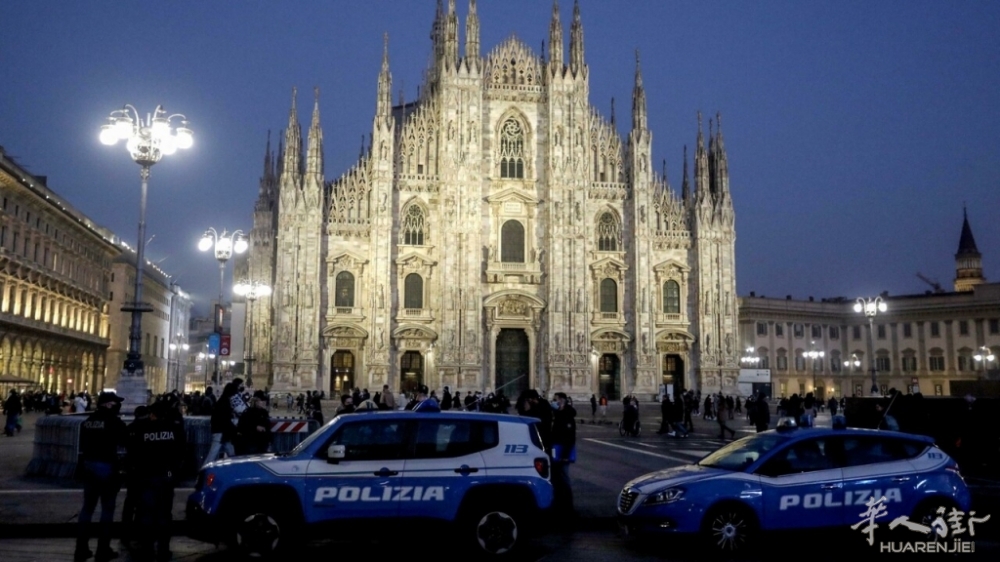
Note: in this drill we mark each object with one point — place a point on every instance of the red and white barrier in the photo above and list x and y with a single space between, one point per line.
290 426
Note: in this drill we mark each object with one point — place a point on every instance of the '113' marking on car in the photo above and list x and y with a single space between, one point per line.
855 497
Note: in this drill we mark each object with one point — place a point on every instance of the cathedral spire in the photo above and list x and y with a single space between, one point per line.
314 160
685 184
451 37
721 160
437 31
268 177
292 158
968 260
612 111
576 63
556 40
472 33
638 99
701 169
383 105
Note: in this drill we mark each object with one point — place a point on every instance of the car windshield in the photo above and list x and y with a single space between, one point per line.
740 454
306 442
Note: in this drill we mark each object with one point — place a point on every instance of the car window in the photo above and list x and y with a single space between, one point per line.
368 439
740 454
453 438
807 455
862 450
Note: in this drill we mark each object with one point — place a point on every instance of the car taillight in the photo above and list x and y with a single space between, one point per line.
209 479
542 466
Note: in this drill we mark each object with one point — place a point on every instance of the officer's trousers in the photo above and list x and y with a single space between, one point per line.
100 482
156 500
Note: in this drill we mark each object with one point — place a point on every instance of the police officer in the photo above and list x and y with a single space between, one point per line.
101 435
157 447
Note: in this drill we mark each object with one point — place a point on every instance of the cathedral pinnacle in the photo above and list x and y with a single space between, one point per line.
556 40
576 63
383 103
292 160
472 33
450 51
612 111
685 184
314 159
638 98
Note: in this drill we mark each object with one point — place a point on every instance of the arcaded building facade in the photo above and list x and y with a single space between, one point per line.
54 272
498 232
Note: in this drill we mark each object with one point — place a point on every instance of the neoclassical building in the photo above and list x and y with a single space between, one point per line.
498 232
936 343
54 270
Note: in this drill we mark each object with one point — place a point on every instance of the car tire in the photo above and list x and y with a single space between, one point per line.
261 531
496 532
730 529
926 511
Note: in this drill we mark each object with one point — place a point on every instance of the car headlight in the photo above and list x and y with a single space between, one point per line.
664 496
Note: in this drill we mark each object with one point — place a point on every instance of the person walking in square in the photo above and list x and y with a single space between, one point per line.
722 416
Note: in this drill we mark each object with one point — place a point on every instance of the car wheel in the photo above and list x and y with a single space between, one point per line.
260 532
926 511
729 529
497 532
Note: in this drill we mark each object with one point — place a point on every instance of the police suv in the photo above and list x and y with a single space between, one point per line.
791 479
487 474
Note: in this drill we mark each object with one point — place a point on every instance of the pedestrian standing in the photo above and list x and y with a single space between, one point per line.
101 435
722 417
446 399
593 408
222 426
12 408
761 413
158 446
603 405
388 399
690 405
253 432
563 452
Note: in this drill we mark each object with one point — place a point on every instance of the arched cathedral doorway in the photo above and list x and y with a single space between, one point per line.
512 362
673 375
342 373
609 376
411 374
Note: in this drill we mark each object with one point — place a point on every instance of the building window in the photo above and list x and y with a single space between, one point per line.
964 363
856 332
834 333
817 331
761 328
800 363
963 327
511 150
907 330
413 291
782 361
835 364
779 330
882 363
799 331
936 363
994 326
609 233
344 290
609 295
908 363
935 329
512 242
413 226
880 331
672 298
765 362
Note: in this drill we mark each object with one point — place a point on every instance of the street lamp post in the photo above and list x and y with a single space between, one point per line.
202 356
813 354
984 356
871 308
147 141
176 345
250 290
224 244
751 359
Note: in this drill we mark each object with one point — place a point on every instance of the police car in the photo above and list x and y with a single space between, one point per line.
794 479
487 474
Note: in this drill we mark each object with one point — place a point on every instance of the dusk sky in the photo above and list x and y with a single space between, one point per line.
855 130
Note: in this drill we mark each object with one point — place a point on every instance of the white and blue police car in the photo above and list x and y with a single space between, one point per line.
366 472
793 479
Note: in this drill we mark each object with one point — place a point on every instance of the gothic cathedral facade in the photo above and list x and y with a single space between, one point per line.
497 233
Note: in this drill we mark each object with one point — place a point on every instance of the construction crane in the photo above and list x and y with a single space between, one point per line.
934 284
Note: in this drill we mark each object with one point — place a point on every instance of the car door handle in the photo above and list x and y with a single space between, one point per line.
830 486
386 472
901 479
466 470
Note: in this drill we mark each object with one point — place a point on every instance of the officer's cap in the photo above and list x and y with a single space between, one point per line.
109 396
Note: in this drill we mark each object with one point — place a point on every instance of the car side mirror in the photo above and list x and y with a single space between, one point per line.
335 453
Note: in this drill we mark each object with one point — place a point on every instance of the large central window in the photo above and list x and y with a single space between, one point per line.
672 298
413 291
512 242
344 290
609 295
412 228
511 150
